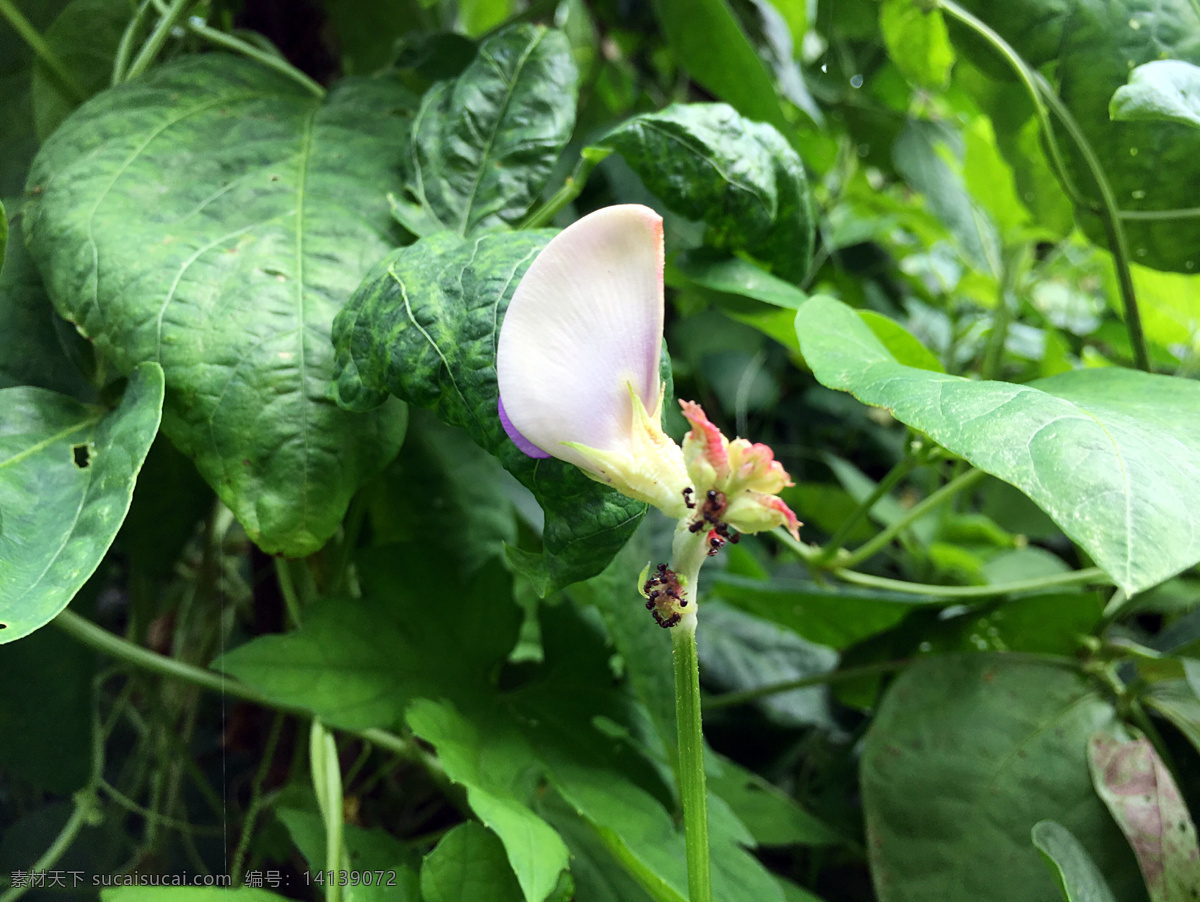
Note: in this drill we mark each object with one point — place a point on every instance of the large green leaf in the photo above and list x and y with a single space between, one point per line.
1140 792
965 755
709 42
1079 878
917 41
1112 455
213 217
483 143
423 326
66 479
1093 47
740 177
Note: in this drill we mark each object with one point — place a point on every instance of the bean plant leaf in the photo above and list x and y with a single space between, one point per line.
1112 455
1078 877
66 480
1163 90
423 326
965 755
1150 165
466 865
740 177
1140 792
483 143
84 37
213 217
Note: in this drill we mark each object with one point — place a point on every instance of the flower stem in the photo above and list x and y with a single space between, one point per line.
38 45
689 552
691 762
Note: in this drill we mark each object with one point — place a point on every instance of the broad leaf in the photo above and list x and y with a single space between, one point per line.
483 143
740 177
1092 48
423 325
1140 792
1161 90
1112 455
66 479
84 38
1078 877
213 217
965 755
467 865
709 42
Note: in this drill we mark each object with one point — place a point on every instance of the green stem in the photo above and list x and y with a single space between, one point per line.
688 554
158 37
270 60
121 60
327 784
1057 581
729 699
691 763
889 481
916 512
38 45
1043 96
589 160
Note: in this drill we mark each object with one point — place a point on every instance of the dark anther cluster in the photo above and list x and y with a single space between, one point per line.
709 515
664 594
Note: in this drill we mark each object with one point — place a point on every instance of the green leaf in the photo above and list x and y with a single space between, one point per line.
1170 307
484 143
84 37
917 41
480 16
1140 792
3 236
1087 446
1078 877
467 865
1177 702
1092 48
423 326
735 276
705 37
213 216
66 479
965 755
1162 90
837 617
186 894
33 338
740 177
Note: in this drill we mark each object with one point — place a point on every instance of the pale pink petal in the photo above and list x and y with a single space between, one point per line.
585 322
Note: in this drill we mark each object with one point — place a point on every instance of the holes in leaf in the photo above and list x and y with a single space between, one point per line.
82 455
3 626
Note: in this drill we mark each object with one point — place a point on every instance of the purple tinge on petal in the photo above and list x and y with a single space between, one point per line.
519 440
